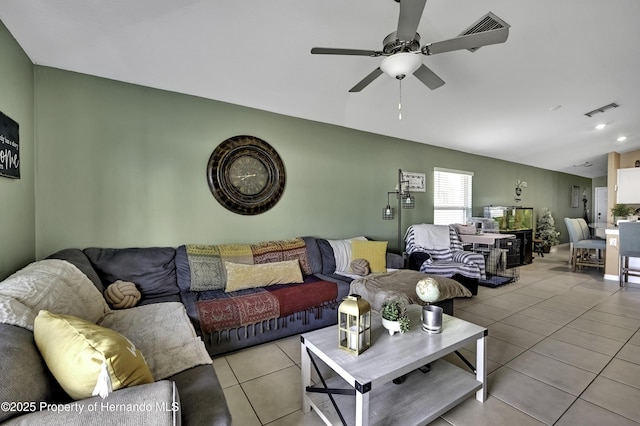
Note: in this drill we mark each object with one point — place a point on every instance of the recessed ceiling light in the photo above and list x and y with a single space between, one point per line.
622 138
601 126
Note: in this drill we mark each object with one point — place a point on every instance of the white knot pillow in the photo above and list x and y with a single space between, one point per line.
122 295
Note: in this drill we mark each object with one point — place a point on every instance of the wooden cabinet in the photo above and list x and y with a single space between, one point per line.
525 237
629 186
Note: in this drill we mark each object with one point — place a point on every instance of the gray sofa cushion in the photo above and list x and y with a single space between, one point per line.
183 275
150 404
183 270
328 258
25 377
314 255
82 262
152 269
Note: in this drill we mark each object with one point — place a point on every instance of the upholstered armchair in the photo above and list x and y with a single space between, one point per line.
437 250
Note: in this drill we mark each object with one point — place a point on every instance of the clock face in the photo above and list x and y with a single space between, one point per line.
246 175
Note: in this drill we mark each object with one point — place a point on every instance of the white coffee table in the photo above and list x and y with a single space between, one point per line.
363 388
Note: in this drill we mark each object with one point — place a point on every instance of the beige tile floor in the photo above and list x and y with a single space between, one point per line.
563 349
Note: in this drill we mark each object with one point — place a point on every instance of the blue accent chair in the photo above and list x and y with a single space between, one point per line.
629 246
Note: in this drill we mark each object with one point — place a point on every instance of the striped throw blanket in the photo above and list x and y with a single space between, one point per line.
445 261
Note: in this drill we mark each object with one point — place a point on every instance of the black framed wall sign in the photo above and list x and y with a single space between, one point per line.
9 148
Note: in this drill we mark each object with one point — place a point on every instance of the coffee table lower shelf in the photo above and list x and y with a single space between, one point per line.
420 399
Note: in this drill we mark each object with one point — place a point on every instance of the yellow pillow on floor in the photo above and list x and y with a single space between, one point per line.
375 252
87 359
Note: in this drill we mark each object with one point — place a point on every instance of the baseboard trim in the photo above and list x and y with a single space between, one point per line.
634 280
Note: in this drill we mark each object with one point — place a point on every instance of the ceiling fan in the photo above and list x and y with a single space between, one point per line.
402 47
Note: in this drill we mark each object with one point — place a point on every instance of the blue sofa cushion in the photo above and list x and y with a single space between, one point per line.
313 254
152 269
328 258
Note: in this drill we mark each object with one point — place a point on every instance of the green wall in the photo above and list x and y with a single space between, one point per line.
17 199
121 165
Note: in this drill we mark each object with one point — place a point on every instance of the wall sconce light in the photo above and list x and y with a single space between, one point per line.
405 201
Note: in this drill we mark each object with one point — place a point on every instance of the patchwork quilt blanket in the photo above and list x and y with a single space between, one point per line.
207 261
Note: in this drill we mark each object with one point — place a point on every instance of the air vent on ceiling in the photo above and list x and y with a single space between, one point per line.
486 23
602 109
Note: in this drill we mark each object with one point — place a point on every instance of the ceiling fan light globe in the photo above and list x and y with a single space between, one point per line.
400 64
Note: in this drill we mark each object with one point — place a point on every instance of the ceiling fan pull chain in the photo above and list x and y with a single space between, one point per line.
400 102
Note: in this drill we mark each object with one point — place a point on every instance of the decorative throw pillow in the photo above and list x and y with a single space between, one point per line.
122 295
375 252
87 359
240 276
342 252
360 267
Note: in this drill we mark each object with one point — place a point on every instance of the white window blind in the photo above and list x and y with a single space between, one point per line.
452 196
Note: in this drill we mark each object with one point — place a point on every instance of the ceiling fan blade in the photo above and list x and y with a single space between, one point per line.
487 30
410 14
367 80
472 41
428 77
337 51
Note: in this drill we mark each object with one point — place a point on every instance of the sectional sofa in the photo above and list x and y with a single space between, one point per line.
232 296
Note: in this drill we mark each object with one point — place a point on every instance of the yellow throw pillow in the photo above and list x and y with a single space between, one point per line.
240 276
375 252
87 359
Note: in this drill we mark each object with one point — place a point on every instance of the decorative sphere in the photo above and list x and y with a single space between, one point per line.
427 290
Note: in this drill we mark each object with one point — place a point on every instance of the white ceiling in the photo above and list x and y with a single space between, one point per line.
521 101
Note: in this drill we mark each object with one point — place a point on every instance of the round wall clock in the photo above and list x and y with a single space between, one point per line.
246 175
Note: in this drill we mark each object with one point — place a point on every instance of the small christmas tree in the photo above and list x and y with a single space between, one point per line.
546 229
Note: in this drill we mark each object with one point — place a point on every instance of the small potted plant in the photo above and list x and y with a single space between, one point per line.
394 316
621 211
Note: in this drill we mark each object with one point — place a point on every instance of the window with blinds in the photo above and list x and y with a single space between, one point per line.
452 196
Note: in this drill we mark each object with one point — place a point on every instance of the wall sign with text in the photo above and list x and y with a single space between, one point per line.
417 182
9 148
